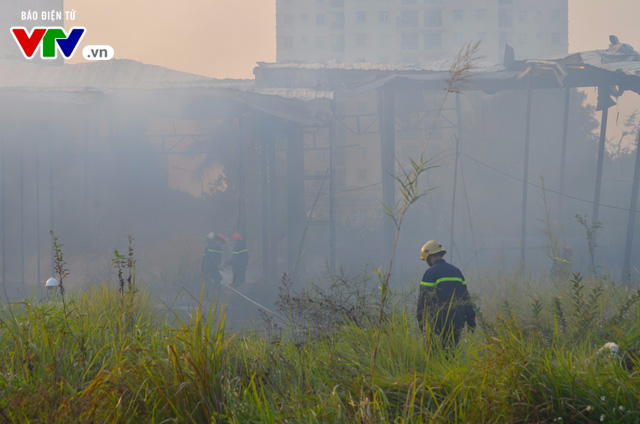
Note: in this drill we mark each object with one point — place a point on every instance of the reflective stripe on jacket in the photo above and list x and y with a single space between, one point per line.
239 255
211 259
444 296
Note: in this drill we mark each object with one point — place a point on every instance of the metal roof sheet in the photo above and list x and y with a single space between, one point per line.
434 66
153 86
107 76
600 59
304 94
115 73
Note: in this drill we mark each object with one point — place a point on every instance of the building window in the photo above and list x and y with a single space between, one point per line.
286 43
337 43
433 18
523 39
361 40
287 20
555 38
321 43
409 42
458 15
539 36
304 17
481 15
338 21
523 16
385 39
505 18
433 41
384 17
539 13
361 17
409 19
321 20
556 16
362 175
458 38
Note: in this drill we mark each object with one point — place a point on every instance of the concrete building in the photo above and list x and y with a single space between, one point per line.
417 31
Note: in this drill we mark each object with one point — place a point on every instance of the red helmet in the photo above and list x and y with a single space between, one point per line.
220 237
236 236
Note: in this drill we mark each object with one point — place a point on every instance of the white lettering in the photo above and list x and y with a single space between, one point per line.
30 15
52 15
98 52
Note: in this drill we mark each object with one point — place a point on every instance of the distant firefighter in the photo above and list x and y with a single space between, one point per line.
212 259
239 259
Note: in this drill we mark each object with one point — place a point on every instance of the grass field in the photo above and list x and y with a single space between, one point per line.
107 356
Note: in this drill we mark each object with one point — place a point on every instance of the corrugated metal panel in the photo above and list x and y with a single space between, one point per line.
304 94
600 59
436 66
116 73
107 76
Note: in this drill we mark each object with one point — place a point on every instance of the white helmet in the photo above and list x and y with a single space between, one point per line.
210 237
52 282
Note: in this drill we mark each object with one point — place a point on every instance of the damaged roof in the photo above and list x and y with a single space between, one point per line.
115 73
303 92
158 87
619 66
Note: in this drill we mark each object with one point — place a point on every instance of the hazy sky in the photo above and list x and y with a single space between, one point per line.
225 38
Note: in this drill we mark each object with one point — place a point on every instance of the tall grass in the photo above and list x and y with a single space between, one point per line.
532 359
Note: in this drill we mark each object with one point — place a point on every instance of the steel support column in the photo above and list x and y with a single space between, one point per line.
295 191
3 178
563 154
267 134
39 136
242 217
626 267
22 140
85 165
455 167
525 177
387 114
273 204
332 188
51 207
602 95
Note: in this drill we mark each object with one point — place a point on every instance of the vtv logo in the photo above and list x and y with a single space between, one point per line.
51 38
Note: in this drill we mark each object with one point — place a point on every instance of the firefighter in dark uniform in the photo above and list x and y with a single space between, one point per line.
239 259
212 259
443 299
